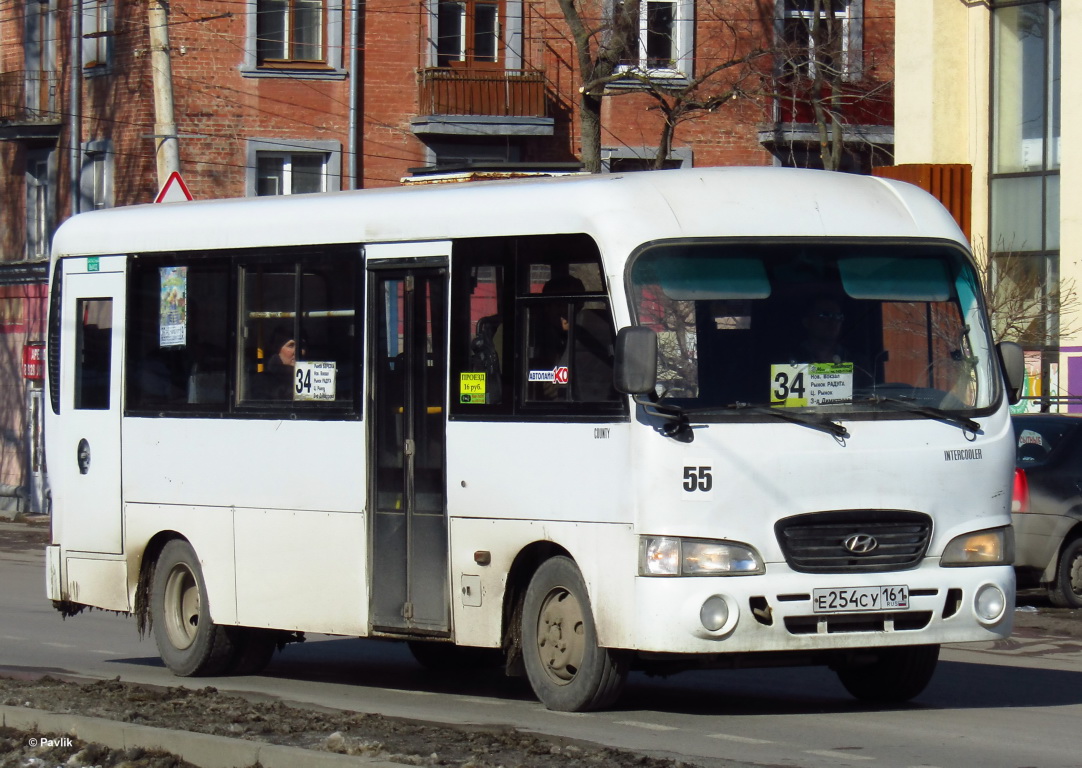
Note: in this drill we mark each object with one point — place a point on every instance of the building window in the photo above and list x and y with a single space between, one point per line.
40 208
290 31
293 168
96 179
467 33
1025 195
294 38
98 26
660 35
819 39
292 174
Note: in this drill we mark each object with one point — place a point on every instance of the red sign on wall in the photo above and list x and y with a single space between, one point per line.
33 362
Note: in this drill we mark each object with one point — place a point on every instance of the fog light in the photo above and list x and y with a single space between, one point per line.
990 602
714 613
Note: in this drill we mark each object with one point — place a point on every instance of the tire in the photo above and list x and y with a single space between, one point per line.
1066 590
188 642
896 676
566 668
447 657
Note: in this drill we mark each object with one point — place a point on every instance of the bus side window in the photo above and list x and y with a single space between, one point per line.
298 337
93 355
177 334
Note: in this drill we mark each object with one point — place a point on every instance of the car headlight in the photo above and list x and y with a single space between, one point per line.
991 547
671 556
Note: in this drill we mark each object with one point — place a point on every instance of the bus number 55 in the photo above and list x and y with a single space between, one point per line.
698 479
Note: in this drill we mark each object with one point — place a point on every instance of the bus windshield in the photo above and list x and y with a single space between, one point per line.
838 328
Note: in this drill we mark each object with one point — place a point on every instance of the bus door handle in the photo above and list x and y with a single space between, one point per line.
83 456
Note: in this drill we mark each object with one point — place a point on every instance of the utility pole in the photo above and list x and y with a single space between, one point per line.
167 147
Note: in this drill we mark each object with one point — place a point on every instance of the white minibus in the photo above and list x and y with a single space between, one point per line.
583 425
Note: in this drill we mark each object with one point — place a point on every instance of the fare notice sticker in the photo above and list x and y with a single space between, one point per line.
794 385
314 380
471 388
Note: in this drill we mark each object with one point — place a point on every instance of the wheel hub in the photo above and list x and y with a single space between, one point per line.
561 636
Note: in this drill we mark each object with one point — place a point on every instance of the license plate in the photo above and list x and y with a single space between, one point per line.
862 599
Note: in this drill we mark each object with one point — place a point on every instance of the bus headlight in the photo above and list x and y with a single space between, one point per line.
991 547
671 556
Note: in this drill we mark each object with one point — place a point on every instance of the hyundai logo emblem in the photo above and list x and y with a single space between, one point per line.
861 544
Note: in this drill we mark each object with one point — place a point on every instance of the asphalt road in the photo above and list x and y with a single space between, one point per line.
1011 704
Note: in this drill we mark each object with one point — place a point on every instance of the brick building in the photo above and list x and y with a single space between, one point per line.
291 96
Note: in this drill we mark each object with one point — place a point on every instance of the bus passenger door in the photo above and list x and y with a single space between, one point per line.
406 410
87 495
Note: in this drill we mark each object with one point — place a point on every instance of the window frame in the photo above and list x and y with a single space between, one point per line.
681 66
851 38
467 35
96 188
332 35
331 150
515 255
99 25
41 181
1043 256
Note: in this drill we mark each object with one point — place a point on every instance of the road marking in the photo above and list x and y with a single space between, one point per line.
739 739
60 645
836 754
647 726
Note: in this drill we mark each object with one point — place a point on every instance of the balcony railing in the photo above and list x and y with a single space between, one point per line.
29 97
482 92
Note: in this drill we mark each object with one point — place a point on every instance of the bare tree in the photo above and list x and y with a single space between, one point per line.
601 35
606 39
823 78
1026 303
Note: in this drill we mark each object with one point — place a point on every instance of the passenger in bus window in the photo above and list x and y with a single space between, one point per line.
276 381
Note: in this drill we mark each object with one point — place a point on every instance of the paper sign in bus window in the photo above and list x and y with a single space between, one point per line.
794 385
173 311
471 388
314 380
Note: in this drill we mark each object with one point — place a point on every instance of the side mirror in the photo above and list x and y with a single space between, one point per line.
635 370
1014 369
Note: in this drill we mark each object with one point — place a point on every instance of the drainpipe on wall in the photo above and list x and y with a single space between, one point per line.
167 149
75 65
354 92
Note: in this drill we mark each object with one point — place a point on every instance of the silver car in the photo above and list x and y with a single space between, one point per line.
1047 505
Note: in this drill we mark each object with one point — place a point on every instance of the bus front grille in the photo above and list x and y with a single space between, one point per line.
854 541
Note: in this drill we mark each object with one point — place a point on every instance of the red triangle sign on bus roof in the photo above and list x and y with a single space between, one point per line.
174 190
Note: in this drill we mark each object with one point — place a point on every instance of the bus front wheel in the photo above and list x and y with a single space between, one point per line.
895 675
189 643
567 669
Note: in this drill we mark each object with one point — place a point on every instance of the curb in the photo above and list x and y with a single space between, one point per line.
201 749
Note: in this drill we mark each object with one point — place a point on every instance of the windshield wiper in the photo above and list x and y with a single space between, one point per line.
909 406
794 417
678 426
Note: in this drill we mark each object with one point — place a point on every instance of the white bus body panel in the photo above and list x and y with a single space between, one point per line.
290 503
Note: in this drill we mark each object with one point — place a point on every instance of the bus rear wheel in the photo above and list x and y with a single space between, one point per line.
567 669
189 643
896 675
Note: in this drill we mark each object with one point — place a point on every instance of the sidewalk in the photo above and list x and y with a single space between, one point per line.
200 749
